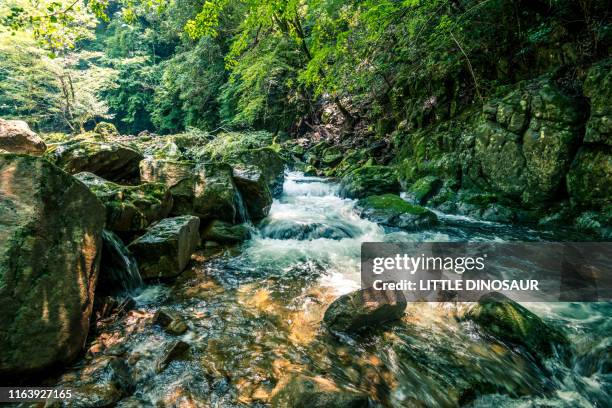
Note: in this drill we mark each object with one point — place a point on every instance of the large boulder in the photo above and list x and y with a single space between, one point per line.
269 162
364 309
526 141
598 88
110 160
50 242
369 180
391 210
316 392
16 137
254 189
589 181
206 190
224 233
509 321
176 175
129 208
166 248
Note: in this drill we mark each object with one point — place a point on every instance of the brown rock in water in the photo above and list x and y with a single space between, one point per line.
316 392
170 321
16 137
174 351
50 242
166 248
365 308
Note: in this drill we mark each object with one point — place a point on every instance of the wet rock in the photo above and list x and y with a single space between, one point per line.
589 180
129 208
331 156
110 160
365 308
253 187
101 383
287 229
391 210
118 268
170 321
215 194
50 230
174 351
270 163
16 137
422 190
596 222
509 321
224 233
369 180
598 88
166 248
317 392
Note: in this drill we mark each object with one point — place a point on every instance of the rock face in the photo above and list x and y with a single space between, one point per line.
253 187
507 320
50 235
598 88
365 308
369 180
317 392
110 160
16 137
166 248
526 142
177 176
589 181
129 208
391 210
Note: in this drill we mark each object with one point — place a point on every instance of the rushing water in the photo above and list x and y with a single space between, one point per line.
254 318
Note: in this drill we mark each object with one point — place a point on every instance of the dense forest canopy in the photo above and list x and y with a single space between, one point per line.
171 65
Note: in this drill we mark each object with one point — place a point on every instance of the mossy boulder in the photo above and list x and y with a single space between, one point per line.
526 141
596 222
598 88
508 321
589 181
369 180
422 190
391 210
206 190
331 156
364 309
129 208
17 137
51 240
316 392
270 163
166 248
106 129
110 160
254 189
226 234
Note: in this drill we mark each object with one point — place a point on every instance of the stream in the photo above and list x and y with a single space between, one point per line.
254 315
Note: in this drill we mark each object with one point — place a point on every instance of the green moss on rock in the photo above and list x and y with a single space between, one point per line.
369 180
391 210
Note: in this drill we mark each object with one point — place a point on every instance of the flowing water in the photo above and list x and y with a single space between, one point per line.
254 315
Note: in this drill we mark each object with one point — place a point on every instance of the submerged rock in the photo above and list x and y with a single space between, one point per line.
50 234
287 229
110 160
392 211
16 137
363 309
170 321
253 186
317 392
166 248
369 180
174 351
224 233
129 208
507 320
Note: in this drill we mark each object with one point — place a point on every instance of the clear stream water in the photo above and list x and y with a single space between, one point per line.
254 315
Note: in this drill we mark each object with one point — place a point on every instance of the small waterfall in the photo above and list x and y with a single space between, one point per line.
118 268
